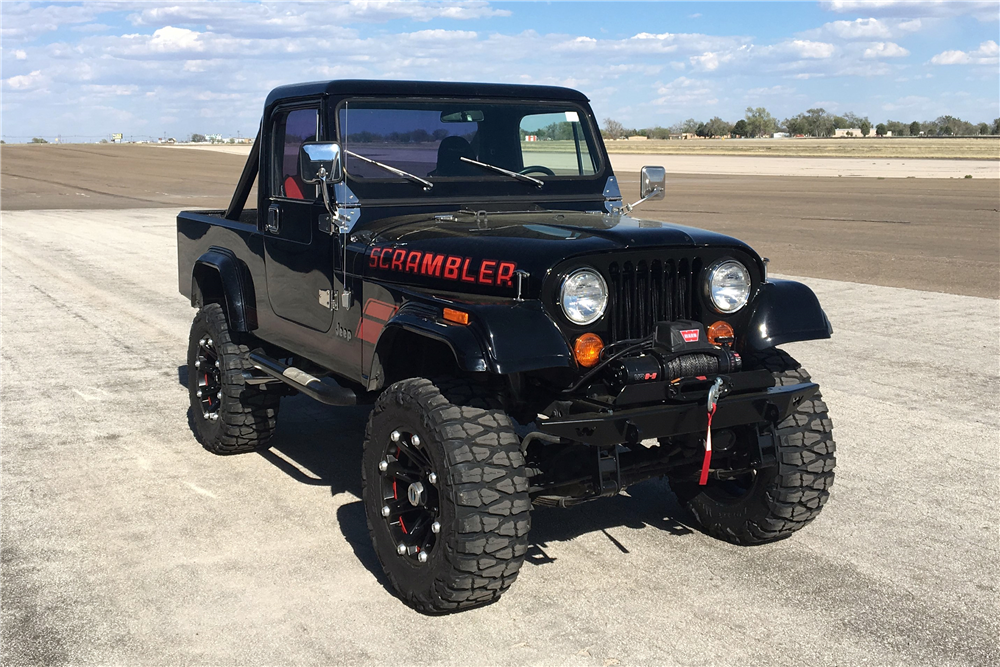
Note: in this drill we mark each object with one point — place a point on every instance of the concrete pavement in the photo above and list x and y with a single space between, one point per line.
124 542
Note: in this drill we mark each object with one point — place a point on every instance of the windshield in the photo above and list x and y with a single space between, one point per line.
446 140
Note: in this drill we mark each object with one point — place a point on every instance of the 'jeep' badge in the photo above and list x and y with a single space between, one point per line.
689 335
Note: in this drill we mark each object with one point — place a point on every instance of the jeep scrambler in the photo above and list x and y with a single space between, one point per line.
460 256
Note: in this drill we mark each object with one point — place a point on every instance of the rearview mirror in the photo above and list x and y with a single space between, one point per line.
653 183
320 161
462 117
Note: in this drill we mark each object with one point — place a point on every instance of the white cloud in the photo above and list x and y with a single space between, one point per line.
859 28
885 50
809 49
175 40
904 103
684 93
25 81
986 54
983 10
20 55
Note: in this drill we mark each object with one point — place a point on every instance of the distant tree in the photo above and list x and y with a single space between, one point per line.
232 140
866 128
880 130
197 138
690 126
996 126
760 123
717 128
915 129
851 119
2 141
38 140
612 129
656 132
702 130
104 141
740 128
897 128
983 128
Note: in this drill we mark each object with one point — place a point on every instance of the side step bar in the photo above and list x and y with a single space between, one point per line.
325 391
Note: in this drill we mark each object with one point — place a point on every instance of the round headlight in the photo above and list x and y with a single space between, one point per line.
584 296
728 286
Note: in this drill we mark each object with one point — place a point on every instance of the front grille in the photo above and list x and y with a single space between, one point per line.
646 292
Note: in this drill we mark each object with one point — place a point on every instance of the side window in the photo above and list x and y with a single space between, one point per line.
555 141
291 129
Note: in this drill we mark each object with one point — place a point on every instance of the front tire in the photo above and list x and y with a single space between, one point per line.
228 416
774 502
445 493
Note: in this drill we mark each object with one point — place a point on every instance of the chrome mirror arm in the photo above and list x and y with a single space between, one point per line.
625 209
331 207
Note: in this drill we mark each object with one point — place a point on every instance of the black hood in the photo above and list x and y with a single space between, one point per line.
483 249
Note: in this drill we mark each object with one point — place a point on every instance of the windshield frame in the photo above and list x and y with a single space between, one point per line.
591 139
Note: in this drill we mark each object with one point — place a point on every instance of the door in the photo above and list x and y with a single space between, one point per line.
298 257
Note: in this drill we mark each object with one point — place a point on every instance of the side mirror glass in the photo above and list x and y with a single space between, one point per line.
653 183
320 160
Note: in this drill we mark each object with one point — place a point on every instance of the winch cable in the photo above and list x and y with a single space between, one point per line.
713 401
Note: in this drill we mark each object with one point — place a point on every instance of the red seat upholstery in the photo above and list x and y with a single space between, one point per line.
292 188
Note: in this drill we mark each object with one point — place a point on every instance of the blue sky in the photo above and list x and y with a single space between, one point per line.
85 70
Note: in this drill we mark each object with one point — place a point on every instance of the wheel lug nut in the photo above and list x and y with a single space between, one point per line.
415 440
209 342
394 436
432 478
383 465
436 527
198 393
216 364
197 364
215 415
401 549
422 557
386 511
206 415
201 342
219 395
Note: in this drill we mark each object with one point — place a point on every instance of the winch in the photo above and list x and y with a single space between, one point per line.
680 350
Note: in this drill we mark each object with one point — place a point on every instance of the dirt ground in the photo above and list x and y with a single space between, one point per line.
939 235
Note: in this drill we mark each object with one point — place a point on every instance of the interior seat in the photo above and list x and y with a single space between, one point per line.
449 162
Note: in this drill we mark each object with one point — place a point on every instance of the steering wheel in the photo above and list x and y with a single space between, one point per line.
539 168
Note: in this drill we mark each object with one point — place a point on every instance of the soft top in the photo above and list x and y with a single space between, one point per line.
420 89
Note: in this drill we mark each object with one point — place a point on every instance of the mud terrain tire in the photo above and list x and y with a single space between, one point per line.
246 415
480 495
781 500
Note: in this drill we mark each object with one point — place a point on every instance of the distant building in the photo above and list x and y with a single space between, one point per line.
848 132
780 135
638 137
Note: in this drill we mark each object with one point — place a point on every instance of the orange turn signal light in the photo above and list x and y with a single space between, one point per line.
456 316
720 333
587 349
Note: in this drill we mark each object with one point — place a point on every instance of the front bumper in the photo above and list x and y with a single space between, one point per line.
617 426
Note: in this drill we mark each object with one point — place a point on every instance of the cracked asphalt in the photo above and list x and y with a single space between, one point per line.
125 543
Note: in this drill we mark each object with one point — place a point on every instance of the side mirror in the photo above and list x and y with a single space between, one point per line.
319 161
653 183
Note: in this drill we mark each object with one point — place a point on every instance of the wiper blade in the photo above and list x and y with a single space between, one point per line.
399 172
506 172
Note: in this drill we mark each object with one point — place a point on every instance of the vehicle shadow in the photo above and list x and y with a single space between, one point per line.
320 445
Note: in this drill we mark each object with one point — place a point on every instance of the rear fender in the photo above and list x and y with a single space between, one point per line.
786 311
220 277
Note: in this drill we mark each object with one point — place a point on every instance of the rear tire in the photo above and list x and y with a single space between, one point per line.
228 416
781 500
477 498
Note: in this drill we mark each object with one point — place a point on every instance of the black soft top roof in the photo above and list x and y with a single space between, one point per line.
421 89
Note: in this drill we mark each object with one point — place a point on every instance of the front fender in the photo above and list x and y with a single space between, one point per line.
500 338
786 311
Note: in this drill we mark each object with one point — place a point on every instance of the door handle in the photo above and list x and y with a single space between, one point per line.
273 220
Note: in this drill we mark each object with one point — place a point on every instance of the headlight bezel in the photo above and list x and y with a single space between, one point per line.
599 313
710 290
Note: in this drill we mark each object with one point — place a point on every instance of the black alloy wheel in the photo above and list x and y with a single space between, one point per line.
209 378
411 506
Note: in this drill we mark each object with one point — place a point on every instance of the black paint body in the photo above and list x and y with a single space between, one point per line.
272 283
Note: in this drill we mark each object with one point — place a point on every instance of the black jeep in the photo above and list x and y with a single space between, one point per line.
460 256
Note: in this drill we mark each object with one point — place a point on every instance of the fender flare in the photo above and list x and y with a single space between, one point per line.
499 338
233 276
785 312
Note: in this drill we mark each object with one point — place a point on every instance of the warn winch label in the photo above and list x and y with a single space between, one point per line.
689 335
448 267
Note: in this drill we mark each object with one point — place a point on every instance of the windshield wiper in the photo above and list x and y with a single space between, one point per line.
506 172
399 172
